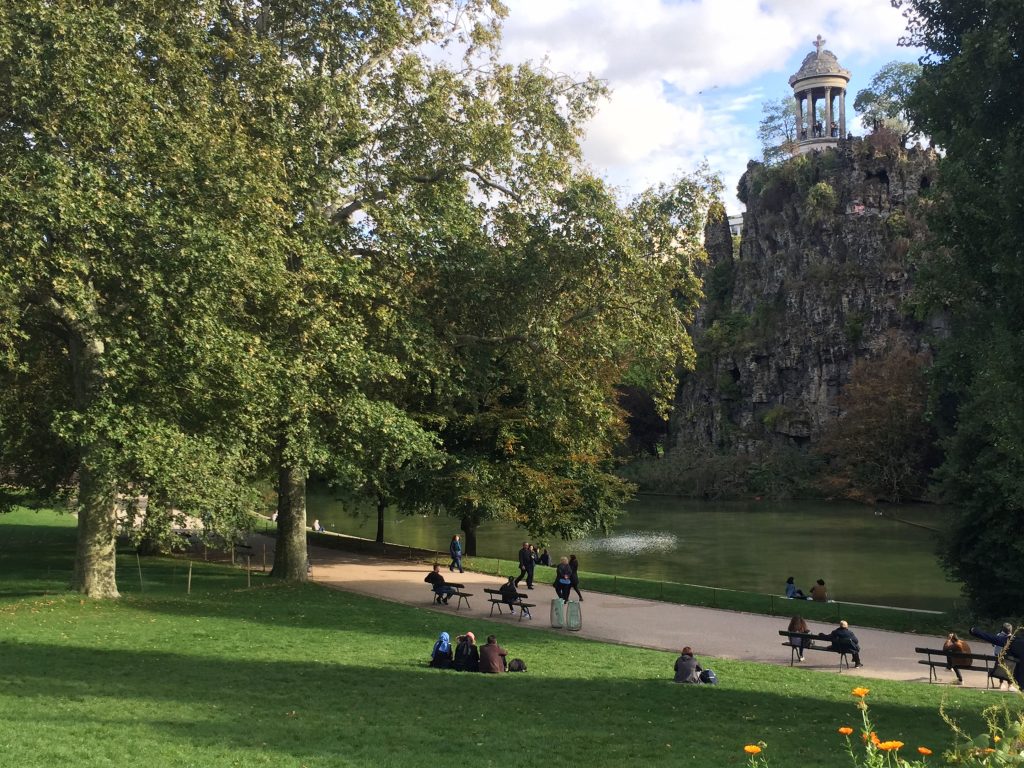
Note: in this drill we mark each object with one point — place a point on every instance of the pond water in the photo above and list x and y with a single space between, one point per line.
883 559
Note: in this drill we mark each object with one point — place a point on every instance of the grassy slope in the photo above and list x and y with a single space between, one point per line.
305 676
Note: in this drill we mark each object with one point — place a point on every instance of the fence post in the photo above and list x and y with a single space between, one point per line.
264 558
188 590
248 571
662 589
772 609
138 561
615 585
714 598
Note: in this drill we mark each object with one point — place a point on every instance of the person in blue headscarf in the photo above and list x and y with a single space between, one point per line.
441 656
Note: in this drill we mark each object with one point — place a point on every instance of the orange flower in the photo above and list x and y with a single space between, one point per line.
924 750
861 692
846 730
751 749
888 746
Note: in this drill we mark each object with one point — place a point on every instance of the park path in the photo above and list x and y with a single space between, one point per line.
628 620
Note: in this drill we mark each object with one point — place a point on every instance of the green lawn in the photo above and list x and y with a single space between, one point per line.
306 676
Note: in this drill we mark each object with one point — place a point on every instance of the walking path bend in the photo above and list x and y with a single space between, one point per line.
633 621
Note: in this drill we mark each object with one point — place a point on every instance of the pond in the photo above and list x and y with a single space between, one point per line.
863 556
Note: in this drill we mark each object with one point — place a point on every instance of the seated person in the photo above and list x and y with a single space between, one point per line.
954 644
818 592
442 591
844 641
792 591
545 558
687 668
510 593
467 655
797 624
1008 648
441 655
493 656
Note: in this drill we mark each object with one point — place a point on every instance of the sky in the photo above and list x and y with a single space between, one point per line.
688 77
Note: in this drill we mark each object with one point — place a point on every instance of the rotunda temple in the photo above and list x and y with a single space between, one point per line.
819 87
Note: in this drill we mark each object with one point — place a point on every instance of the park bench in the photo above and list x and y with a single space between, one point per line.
936 657
457 594
497 599
794 651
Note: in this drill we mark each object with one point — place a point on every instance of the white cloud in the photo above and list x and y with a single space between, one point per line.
685 74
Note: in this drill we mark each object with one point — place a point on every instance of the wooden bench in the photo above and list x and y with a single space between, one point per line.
795 651
936 657
497 599
458 593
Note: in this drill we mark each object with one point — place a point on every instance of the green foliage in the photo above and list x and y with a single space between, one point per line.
971 270
777 131
821 201
884 103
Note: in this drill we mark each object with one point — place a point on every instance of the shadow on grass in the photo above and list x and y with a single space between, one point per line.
352 712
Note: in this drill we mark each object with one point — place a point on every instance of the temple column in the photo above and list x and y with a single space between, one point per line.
799 116
842 113
827 128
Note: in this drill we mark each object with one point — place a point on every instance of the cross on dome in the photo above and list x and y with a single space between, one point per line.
819 43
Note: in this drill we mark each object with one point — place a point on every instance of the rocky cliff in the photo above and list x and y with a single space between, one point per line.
820 279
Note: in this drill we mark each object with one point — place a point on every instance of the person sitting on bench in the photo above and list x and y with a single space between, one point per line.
797 624
510 593
844 641
954 644
441 590
1005 643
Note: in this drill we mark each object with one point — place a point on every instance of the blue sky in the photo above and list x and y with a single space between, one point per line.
688 77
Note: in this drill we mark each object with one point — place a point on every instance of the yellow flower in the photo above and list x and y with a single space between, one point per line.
996 739
887 746
861 692
924 750
751 749
846 730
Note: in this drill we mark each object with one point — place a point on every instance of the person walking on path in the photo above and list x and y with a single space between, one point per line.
455 550
526 565
844 641
954 644
492 656
574 564
563 579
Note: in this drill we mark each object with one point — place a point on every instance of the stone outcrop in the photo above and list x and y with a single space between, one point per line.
821 278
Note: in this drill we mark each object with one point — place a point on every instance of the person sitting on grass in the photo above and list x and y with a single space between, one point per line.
493 657
441 655
687 668
442 591
792 591
510 593
954 645
467 655
818 592
844 641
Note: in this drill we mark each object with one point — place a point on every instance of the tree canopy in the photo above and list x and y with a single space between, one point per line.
778 129
966 100
884 102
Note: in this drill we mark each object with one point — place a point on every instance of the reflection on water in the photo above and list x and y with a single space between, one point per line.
630 543
862 556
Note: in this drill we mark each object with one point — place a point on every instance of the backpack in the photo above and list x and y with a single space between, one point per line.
708 677
517 665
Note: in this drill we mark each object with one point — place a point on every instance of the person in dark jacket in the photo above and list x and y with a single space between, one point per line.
467 655
1010 649
575 565
563 579
510 593
441 590
545 558
844 640
526 565
492 656
687 668
455 550
441 655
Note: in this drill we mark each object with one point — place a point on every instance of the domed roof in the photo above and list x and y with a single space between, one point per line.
818 63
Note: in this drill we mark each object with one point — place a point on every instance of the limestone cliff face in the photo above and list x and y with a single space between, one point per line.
821 279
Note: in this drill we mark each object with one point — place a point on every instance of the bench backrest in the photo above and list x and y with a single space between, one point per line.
940 652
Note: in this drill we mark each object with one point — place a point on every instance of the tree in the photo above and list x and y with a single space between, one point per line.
135 211
965 99
884 102
880 443
778 129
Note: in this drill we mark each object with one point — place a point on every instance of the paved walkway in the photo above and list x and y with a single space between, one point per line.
632 621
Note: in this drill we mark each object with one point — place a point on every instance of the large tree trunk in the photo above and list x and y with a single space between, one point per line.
469 525
381 506
290 553
95 573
